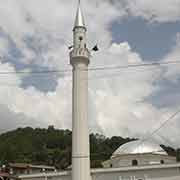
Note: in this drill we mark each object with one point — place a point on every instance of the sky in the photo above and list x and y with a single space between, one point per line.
35 35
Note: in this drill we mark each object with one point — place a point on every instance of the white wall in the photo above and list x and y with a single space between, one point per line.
143 159
135 173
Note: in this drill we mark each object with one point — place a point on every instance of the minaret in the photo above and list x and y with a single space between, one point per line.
79 59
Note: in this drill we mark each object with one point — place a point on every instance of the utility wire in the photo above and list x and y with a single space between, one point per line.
163 124
92 69
135 65
166 140
101 76
34 72
160 127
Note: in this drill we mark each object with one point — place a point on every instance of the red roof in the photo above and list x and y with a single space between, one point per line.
2 174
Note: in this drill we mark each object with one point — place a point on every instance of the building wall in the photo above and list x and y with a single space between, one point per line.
136 173
17 171
142 159
168 174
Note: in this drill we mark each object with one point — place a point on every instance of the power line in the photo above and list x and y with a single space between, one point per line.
166 140
135 65
106 75
157 129
160 127
101 76
56 71
34 72
164 123
152 64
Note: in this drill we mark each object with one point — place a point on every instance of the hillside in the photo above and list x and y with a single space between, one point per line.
53 147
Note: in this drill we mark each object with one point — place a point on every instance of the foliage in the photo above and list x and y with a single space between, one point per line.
53 147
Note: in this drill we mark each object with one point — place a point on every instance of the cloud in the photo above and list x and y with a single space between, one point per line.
37 33
10 120
48 108
42 31
124 93
172 73
155 11
3 46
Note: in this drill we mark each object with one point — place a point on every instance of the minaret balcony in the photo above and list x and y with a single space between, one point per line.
81 52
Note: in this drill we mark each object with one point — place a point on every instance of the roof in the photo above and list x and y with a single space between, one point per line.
140 147
19 165
26 165
4 174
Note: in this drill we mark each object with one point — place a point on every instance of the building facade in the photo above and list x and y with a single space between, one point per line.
139 153
23 168
152 172
135 160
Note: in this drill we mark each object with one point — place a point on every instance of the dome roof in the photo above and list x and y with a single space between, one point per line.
139 147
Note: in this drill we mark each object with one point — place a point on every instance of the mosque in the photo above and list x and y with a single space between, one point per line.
139 153
136 160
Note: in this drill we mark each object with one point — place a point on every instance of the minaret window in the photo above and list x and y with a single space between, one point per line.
134 162
162 161
80 38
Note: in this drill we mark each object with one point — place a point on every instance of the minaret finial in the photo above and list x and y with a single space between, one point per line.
79 22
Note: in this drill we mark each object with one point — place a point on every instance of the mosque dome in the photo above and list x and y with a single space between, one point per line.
139 147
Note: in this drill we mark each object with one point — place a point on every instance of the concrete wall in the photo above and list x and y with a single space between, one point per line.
142 159
155 172
168 174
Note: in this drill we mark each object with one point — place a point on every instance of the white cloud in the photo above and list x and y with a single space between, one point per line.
13 120
173 72
123 95
41 30
50 108
124 92
158 11
3 47
48 26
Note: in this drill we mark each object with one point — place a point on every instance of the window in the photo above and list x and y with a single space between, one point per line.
134 162
162 161
80 38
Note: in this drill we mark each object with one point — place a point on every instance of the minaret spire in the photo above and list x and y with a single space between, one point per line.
79 22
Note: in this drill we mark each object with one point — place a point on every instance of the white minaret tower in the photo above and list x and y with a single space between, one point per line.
79 59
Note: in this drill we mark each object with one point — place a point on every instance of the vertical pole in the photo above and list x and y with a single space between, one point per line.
79 59
80 143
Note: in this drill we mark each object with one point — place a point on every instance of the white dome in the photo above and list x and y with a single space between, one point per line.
139 147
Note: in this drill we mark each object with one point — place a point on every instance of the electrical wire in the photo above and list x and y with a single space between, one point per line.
55 71
160 127
163 124
34 72
118 67
135 65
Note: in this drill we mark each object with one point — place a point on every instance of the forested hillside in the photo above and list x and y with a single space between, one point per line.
53 147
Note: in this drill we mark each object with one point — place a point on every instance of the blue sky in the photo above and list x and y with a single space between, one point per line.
152 40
